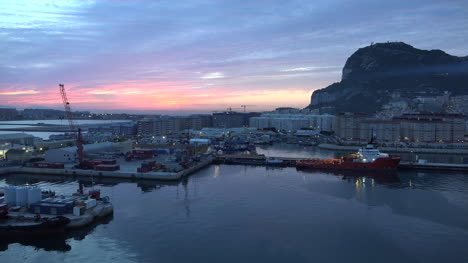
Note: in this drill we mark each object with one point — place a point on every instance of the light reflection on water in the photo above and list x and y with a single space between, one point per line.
245 213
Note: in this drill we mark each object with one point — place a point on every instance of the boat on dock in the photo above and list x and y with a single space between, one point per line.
368 158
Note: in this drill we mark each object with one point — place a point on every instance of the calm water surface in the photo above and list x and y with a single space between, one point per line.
253 214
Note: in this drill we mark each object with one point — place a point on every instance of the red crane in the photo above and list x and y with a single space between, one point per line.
73 128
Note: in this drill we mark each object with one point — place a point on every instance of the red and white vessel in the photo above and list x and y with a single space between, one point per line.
368 158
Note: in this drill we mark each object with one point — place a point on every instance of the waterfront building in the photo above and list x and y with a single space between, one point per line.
216 133
167 125
347 125
436 127
414 127
8 114
118 129
69 154
290 122
54 144
17 138
18 155
229 119
287 110
381 130
42 114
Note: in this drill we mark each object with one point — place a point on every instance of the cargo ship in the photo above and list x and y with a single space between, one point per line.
367 158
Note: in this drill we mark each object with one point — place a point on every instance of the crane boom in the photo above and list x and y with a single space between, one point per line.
73 128
68 111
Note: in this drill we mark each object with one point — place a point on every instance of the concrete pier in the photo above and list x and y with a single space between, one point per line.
395 149
434 166
169 176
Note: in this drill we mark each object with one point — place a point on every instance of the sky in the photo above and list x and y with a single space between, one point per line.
201 55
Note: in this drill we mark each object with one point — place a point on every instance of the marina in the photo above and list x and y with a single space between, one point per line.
222 208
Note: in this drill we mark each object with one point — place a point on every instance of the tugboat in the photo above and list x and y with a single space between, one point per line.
368 158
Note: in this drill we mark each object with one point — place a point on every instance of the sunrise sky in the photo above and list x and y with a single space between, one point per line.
202 55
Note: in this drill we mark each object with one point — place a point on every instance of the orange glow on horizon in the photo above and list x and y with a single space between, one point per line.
146 95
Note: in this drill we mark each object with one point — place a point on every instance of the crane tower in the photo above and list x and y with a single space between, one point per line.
73 128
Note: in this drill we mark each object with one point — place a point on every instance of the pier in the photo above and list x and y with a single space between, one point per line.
165 176
222 159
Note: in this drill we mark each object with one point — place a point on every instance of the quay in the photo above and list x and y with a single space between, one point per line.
168 176
291 162
335 147
221 159
433 166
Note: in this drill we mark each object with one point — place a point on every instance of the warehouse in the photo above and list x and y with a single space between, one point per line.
17 138
69 154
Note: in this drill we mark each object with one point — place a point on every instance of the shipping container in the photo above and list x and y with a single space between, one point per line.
78 210
48 209
104 161
143 151
49 165
107 167
95 194
144 169
90 203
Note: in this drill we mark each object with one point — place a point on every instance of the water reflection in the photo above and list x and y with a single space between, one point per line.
54 243
46 181
359 177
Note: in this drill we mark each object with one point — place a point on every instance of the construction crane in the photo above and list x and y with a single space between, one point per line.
245 106
73 128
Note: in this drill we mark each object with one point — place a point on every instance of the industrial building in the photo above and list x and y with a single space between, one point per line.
231 119
416 127
17 138
292 122
8 114
18 155
69 154
171 125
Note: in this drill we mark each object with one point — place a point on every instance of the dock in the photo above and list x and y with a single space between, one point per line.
164 176
433 166
222 159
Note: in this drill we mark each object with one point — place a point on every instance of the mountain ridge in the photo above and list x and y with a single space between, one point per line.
373 74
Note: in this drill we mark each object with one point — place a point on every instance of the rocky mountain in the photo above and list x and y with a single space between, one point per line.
375 74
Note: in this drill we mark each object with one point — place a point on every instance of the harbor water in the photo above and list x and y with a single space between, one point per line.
256 214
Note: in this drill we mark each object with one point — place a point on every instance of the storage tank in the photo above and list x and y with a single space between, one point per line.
21 196
10 195
34 195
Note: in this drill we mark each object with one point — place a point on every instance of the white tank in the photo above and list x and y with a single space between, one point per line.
10 195
21 196
34 195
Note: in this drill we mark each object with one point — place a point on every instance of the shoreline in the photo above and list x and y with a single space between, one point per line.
327 146
162 176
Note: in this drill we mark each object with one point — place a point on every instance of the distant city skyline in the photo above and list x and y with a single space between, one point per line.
200 56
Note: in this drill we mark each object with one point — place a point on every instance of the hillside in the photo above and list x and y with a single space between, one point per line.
376 73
